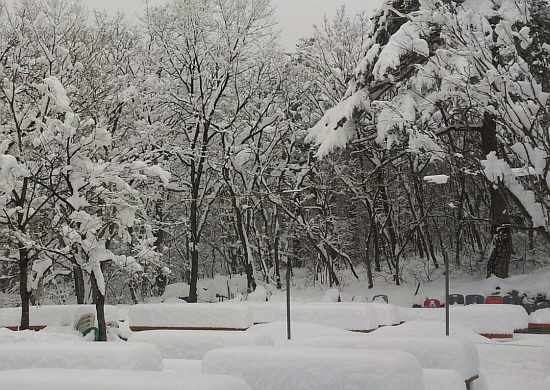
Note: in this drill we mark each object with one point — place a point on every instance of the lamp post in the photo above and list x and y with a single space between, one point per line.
442 179
288 273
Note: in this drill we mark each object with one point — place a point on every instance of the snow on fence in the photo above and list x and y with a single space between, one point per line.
80 354
433 352
186 344
71 379
189 317
361 317
283 368
42 316
495 321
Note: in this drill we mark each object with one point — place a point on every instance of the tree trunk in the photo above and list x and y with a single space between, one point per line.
501 247
23 288
79 284
194 253
100 309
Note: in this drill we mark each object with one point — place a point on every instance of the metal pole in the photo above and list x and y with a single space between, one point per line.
288 272
447 306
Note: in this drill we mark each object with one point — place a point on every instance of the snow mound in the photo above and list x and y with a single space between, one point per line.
66 379
48 334
430 328
344 315
300 331
53 315
480 319
193 344
85 355
443 379
546 359
214 316
433 352
267 368
540 316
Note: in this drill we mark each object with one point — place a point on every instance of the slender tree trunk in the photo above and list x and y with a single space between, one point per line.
100 309
501 247
23 287
79 284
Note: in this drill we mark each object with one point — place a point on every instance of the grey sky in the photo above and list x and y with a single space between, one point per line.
296 17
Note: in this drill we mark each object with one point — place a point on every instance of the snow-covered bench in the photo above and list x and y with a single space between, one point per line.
58 315
358 317
540 319
433 352
186 344
78 354
183 316
494 321
67 379
293 368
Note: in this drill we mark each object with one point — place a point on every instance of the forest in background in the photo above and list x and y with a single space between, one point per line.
191 145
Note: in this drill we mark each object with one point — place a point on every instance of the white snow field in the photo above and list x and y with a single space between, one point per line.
413 355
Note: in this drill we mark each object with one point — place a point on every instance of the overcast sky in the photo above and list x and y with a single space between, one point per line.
296 17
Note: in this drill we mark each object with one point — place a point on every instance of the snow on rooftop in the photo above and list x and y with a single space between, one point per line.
193 344
437 352
84 355
80 379
266 368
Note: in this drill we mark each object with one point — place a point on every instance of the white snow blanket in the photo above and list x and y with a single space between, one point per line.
481 319
443 379
66 315
67 379
200 315
193 344
546 359
84 355
298 368
344 315
433 352
541 316
300 332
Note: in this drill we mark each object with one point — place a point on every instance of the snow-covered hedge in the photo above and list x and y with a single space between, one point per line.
53 315
276 368
437 352
193 344
85 355
67 379
481 319
192 316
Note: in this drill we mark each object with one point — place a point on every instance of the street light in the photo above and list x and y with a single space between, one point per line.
288 272
442 179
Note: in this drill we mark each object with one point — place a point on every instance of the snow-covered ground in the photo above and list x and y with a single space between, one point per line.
321 352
